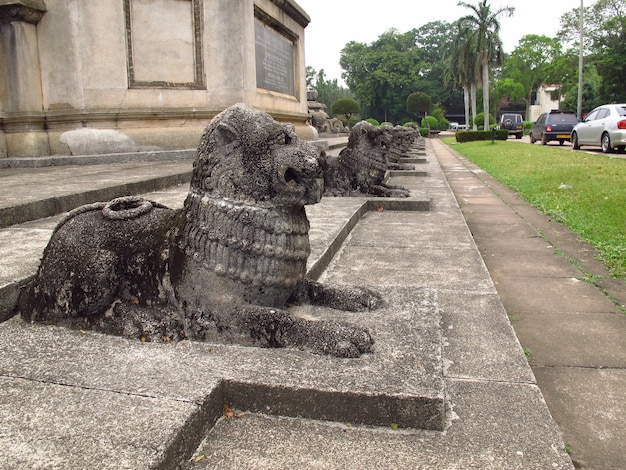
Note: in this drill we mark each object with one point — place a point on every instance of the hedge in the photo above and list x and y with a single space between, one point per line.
472 136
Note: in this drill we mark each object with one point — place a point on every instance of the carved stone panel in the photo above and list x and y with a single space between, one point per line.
164 43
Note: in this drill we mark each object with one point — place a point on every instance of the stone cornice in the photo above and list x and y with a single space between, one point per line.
46 120
294 10
28 11
69 119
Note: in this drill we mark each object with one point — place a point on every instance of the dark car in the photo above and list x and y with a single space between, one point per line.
555 125
514 124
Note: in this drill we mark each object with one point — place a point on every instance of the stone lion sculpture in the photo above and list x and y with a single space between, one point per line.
362 165
401 140
221 268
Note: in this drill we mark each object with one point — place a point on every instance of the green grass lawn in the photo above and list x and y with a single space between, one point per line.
586 192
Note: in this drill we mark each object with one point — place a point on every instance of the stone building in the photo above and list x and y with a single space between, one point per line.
107 76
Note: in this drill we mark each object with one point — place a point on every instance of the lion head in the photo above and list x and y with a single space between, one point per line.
368 147
245 155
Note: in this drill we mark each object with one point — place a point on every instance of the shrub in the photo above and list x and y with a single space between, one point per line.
430 121
354 119
345 106
373 122
480 118
472 136
410 123
386 123
424 131
528 125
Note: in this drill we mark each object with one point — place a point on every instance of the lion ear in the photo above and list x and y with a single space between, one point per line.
372 131
225 133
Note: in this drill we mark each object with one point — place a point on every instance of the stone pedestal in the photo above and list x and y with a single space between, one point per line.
155 72
21 98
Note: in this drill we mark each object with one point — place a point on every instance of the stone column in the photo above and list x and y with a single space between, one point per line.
21 101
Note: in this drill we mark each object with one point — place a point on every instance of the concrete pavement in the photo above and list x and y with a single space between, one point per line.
445 354
566 309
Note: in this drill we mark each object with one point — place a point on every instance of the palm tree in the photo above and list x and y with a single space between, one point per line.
486 32
462 67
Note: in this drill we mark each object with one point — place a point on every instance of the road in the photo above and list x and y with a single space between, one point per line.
565 146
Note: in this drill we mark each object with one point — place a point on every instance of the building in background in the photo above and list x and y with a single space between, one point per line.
544 101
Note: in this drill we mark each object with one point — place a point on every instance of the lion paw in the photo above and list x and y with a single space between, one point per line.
357 299
341 340
385 190
353 299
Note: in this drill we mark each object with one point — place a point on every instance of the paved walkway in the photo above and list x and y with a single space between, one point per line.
573 331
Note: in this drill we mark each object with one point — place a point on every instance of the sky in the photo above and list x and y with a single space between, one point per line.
337 22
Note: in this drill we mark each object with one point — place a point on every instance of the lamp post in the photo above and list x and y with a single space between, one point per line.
579 111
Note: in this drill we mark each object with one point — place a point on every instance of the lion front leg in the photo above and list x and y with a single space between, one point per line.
400 166
388 190
147 323
277 328
353 299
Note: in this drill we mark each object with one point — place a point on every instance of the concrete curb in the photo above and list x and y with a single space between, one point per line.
64 160
51 206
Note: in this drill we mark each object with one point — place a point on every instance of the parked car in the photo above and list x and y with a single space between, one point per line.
514 123
555 125
605 126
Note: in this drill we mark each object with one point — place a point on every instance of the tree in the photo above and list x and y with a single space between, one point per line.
591 91
461 66
511 89
345 106
488 43
434 42
328 91
529 64
605 36
418 103
382 74
310 75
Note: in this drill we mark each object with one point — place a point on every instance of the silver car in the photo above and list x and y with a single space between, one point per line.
605 126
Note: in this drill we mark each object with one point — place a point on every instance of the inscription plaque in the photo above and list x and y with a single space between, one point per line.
274 60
